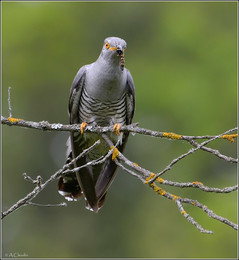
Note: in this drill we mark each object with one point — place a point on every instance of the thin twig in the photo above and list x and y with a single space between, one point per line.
97 161
191 219
209 212
29 197
199 185
195 203
129 171
182 156
215 152
63 204
9 102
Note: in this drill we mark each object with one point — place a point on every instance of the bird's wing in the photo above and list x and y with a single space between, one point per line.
75 95
68 186
78 143
130 98
108 172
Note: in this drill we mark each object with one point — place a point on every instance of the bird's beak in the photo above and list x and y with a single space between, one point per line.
119 50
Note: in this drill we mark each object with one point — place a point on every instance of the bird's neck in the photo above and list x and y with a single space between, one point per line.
111 64
105 80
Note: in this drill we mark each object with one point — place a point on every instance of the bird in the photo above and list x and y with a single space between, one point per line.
102 94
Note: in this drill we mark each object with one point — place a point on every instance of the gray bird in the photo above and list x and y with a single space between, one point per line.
102 94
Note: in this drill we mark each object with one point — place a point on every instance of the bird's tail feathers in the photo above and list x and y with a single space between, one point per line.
69 188
68 185
98 206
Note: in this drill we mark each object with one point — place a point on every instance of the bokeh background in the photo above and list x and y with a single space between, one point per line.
183 60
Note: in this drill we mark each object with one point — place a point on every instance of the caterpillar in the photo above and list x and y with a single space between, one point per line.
122 61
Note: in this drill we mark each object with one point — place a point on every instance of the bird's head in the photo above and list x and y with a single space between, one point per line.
113 49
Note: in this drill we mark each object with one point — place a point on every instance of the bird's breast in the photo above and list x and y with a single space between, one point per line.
102 112
103 99
105 84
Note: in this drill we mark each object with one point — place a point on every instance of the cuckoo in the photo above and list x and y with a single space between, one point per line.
102 94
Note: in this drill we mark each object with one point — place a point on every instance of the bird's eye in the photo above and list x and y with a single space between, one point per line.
107 45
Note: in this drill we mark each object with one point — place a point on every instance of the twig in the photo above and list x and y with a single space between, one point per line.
63 204
190 219
65 170
199 146
197 184
129 171
29 197
195 203
100 160
209 212
215 152
150 180
146 173
9 102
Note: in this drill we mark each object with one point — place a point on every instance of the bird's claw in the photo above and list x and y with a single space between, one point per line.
82 127
116 129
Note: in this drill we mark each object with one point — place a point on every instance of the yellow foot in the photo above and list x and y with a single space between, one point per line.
82 127
116 129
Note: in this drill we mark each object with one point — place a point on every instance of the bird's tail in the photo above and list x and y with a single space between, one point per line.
68 185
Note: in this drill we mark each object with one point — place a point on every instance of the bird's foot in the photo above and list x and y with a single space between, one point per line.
115 153
116 129
82 127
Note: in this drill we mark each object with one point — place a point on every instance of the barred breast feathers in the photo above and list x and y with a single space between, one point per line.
100 112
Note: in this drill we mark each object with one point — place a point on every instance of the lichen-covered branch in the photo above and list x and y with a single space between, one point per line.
149 178
191 219
133 128
153 180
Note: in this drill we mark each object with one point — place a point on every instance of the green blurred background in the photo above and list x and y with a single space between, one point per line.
183 60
